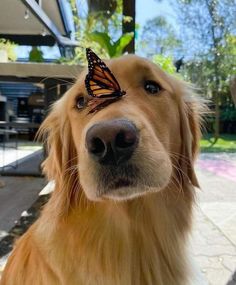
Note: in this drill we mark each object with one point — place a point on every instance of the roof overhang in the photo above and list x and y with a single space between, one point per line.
38 72
28 23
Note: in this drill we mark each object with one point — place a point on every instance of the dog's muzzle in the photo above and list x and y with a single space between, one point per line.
112 142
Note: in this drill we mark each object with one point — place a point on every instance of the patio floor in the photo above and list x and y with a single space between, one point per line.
9 153
16 196
23 160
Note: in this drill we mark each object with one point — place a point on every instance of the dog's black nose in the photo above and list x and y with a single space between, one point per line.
112 142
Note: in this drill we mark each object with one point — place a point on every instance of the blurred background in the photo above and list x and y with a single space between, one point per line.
42 51
192 39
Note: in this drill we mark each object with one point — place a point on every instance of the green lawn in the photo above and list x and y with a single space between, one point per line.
226 143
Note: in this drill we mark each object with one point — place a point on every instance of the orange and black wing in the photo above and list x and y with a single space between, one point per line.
100 82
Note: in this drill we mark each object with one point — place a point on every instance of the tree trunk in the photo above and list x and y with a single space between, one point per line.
216 44
217 118
233 89
127 27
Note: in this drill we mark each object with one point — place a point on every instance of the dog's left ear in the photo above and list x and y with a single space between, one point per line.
191 107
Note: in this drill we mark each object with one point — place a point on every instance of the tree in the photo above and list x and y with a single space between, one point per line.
159 37
205 29
165 62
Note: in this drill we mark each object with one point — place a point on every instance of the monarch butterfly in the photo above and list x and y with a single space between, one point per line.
100 83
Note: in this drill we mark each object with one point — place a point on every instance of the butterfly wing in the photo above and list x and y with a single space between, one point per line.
100 82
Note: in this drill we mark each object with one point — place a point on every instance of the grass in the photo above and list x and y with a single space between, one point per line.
226 143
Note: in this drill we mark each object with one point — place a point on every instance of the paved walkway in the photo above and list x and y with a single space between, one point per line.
214 236
18 194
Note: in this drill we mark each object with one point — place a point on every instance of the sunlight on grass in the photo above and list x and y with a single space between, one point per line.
226 143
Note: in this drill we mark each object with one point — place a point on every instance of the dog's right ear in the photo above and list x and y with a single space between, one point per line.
55 132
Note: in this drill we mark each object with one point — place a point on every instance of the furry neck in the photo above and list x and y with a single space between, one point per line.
141 241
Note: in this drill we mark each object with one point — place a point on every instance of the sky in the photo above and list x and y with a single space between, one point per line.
145 10
148 9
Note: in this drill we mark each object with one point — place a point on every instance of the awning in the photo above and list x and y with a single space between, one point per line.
31 22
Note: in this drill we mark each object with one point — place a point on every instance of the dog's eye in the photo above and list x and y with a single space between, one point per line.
152 87
80 102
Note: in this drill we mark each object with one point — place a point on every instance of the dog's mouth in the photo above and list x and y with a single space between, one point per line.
119 187
114 177
123 183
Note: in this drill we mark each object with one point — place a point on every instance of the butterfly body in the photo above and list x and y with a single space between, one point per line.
101 84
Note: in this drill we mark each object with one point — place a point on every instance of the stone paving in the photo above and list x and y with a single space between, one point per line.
214 252
18 194
214 234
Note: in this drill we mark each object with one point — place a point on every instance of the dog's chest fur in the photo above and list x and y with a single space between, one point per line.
139 243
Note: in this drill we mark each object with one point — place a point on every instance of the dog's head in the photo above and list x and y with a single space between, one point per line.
139 144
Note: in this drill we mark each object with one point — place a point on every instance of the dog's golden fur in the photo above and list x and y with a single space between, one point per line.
138 236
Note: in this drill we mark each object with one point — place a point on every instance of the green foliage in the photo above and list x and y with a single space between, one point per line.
113 49
9 47
228 49
228 114
213 77
165 62
36 55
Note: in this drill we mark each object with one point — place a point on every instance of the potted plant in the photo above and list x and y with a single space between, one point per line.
7 51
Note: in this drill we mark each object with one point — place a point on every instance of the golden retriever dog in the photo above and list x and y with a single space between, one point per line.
122 206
